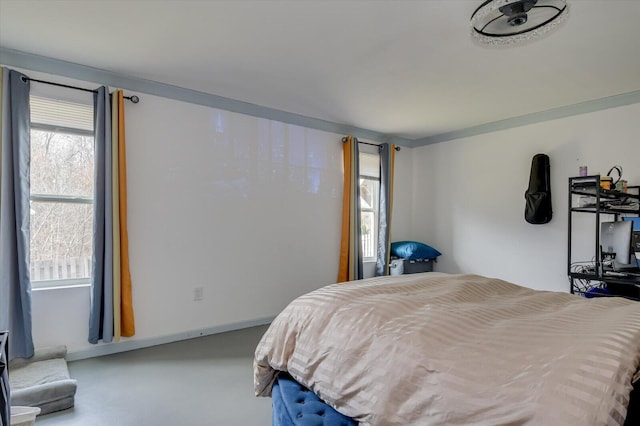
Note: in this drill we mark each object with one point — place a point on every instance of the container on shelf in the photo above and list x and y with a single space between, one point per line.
606 182
582 171
396 266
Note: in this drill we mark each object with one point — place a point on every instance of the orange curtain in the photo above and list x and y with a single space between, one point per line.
124 324
392 166
115 191
350 245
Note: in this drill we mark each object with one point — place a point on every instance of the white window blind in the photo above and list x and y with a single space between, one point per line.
52 112
370 165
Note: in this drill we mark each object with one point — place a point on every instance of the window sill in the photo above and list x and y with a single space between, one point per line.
52 286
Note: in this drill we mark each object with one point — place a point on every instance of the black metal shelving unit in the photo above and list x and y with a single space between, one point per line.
584 276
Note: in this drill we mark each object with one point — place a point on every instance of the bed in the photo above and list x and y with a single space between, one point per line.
439 349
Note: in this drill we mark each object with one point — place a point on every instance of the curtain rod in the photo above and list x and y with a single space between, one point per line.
397 148
133 98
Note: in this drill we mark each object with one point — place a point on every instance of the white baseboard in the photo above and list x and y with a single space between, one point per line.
130 345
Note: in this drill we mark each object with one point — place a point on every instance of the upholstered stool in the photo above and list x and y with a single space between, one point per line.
293 404
42 381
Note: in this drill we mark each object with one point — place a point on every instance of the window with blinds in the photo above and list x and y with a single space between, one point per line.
62 181
369 203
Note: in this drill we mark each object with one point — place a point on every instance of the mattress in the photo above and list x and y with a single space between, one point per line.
295 405
436 349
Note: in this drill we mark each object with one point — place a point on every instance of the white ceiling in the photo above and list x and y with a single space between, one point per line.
402 68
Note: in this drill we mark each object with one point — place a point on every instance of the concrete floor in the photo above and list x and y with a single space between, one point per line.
203 381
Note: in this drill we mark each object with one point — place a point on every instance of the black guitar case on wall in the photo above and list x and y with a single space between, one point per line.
538 197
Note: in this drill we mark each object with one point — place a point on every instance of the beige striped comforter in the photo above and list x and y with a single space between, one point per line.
436 349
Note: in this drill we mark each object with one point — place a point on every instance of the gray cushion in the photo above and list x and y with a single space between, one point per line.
42 382
40 354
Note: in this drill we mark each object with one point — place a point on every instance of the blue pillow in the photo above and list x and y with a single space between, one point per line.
413 250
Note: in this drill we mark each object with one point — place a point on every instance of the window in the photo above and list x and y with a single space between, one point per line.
369 204
62 157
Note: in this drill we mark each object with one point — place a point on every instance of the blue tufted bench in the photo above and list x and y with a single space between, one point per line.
295 405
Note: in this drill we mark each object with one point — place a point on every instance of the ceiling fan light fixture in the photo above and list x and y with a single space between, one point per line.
510 22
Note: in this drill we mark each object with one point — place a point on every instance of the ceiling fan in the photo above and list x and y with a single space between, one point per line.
509 22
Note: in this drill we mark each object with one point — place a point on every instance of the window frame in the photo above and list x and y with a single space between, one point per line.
374 209
61 199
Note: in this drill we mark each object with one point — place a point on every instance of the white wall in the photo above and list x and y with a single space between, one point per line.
401 226
246 208
469 194
249 209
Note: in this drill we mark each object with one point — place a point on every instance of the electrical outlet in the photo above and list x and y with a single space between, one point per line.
198 294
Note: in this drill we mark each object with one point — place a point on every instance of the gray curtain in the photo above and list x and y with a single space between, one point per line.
101 311
15 283
357 221
384 216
